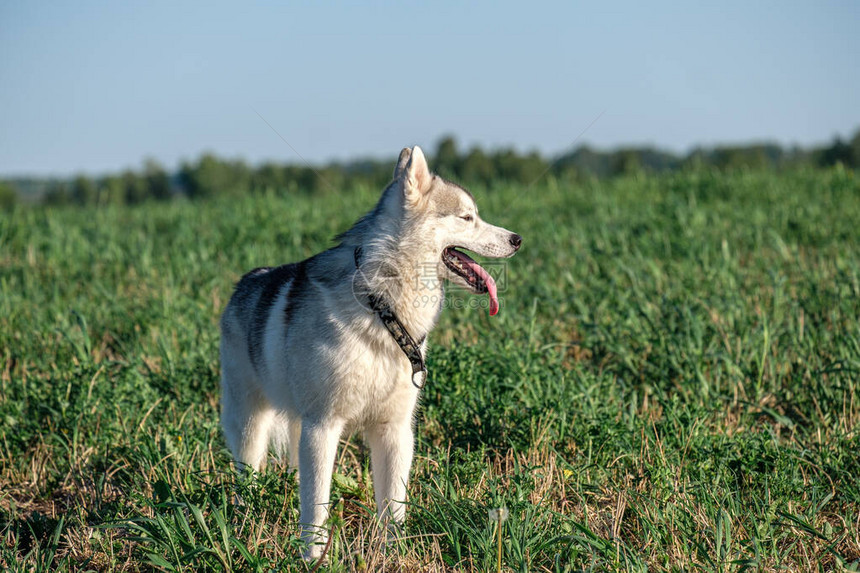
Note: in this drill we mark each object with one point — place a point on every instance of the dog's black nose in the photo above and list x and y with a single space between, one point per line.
516 240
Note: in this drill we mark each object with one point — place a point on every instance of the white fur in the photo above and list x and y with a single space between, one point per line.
332 366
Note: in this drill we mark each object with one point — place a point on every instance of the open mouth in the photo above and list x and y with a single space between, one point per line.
474 275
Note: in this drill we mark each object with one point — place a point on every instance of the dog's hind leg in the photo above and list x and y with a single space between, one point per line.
247 431
246 415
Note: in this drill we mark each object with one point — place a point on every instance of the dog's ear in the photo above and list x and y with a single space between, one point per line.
400 168
417 178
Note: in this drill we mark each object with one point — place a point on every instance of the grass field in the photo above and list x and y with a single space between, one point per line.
671 384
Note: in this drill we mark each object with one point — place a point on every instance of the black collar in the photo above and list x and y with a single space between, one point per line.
404 340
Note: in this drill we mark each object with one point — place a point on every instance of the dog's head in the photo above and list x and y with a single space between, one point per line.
445 215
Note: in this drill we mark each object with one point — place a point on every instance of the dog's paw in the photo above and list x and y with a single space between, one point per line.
316 551
393 533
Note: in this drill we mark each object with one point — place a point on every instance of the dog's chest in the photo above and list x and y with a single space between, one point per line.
376 387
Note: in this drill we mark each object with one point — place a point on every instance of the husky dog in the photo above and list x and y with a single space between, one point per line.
336 342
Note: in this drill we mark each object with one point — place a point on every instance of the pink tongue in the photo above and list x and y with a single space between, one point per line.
488 280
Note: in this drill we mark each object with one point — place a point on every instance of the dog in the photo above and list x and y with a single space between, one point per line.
337 342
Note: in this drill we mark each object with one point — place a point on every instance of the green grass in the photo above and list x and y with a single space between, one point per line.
671 384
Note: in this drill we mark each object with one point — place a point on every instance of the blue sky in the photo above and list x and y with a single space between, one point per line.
97 86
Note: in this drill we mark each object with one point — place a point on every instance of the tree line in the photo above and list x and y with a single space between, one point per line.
210 176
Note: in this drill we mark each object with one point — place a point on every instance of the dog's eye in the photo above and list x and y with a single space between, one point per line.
467 218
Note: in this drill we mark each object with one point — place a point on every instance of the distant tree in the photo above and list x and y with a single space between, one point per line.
754 156
447 160
211 176
855 149
156 180
57 193
477 167
653 159
8 196
511 166
797 156
587 161
837 152
749 156
625 162
370 172
726 157
111 190
84 191
269 176
773 154
696 159
531 167
301 178
136 189
565 172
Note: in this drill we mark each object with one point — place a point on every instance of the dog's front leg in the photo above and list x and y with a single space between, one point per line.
391 447
317 451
